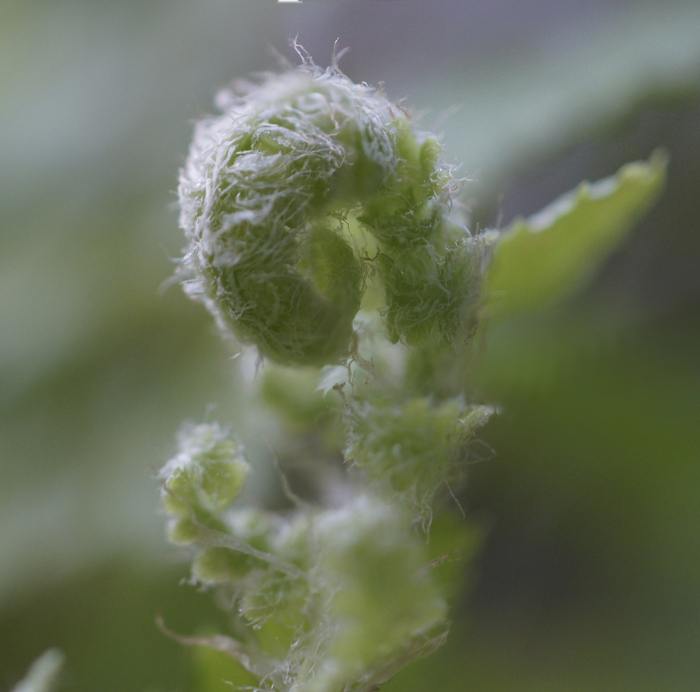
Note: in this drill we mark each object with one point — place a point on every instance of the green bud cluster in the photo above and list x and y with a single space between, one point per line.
413 449
347 592
265 197
201 480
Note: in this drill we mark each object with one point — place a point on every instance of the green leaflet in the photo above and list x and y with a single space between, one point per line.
547 257
411 450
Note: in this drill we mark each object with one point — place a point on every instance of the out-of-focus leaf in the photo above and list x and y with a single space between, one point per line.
501 110
43 674
547 257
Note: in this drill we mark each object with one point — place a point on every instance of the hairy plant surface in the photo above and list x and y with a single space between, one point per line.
326 235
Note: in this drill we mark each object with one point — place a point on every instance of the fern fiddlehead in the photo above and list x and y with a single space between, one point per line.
278 195
261 194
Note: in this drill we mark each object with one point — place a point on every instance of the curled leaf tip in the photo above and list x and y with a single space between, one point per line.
264 200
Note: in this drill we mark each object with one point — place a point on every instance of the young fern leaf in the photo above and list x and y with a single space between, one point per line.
276 195
262 199
546 258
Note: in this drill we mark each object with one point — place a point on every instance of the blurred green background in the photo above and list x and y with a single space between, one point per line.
589 577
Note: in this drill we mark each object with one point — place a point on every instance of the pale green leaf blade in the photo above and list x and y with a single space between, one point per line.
546 258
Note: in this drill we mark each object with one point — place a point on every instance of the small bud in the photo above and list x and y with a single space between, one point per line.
205 476
411 450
